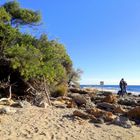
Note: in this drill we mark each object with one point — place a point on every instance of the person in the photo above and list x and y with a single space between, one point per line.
123 86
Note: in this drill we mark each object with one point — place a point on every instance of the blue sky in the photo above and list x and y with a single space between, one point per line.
102 37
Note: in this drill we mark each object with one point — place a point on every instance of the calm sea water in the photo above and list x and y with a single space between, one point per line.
130 88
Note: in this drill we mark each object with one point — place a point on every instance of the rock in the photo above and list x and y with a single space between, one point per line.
110 99
7 110
17 104
84 115
25 104
129 93
98 113
106 93
98 120
89 105
79 99
106 106
41 100
122 121
71 104
128 101
83 91
97 98
119 109
21 104
134 113
111 107
81 114
59 104
43 104
78 90
63 99
108 116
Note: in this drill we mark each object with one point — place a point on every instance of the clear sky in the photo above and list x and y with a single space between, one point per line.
102 37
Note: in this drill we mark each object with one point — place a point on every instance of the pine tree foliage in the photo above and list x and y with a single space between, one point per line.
31 57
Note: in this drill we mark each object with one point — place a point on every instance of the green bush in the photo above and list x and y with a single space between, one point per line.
60 90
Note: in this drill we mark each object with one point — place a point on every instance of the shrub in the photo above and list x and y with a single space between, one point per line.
60 90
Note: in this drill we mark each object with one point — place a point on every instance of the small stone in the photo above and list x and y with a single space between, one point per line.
43 104
7 110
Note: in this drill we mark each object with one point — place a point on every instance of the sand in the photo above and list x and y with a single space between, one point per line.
53 123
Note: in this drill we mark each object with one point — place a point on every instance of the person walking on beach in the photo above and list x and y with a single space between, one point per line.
123 86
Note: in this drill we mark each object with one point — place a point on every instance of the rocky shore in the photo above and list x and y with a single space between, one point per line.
84 114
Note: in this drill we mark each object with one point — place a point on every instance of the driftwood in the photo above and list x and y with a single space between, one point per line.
47 92
32 90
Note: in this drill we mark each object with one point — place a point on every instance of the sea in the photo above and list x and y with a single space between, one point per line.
130 88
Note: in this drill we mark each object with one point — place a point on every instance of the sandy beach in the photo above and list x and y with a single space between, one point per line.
57 124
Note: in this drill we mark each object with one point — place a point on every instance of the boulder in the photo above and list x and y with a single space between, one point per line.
64 99
59 104
128 101
106 106
40 100
111 107
129 93
71 104
97 97
83 91
81 114
84 115
78 90
98 113
119 110
122 121
98 120
110 99
78 99
105 93
134 113
108 116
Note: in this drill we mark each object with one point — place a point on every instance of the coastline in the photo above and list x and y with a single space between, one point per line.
113 90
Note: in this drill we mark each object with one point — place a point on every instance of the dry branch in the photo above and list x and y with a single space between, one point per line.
10 95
